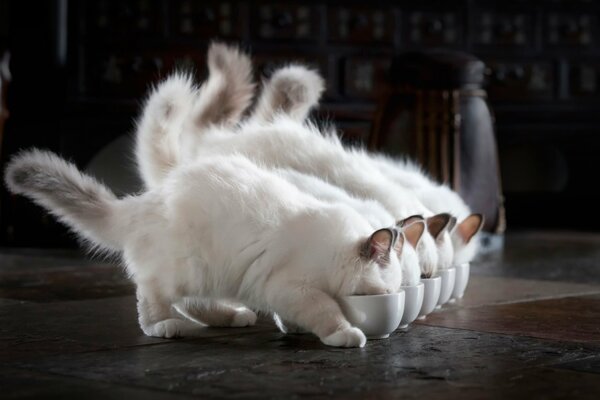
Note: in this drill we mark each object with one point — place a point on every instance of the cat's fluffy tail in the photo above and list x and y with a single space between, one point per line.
293 90
227 92
159 128
78 200
177 110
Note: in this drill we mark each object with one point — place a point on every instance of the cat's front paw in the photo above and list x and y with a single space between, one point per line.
173 328
349 337
167 329
243 317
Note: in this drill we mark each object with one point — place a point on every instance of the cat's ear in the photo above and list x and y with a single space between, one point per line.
378 246
469 227
437 224
451 224
409 220
399 243
414 232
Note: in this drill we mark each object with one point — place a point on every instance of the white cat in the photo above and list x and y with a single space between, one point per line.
219 230
278 142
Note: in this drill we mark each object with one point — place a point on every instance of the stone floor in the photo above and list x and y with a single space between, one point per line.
528 327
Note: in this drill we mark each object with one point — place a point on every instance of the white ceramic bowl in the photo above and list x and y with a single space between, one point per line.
431 295
462 279
413 300
377 316
448 278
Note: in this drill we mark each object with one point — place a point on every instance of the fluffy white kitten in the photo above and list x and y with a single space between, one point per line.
218 230
280 142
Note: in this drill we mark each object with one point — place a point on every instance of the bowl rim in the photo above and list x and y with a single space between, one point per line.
412 286
433 278
395 294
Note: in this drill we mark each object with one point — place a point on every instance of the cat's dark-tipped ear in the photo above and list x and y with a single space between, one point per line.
470 226
399 244
437 224
409 220
378 246
451 224
414 232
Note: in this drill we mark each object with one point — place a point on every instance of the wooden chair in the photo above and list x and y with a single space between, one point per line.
436 113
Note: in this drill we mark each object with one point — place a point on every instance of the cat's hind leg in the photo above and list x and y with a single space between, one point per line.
216 313
158 317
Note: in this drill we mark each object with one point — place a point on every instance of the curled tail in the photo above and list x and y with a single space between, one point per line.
76 199
176 111
291 90
227 92
158 130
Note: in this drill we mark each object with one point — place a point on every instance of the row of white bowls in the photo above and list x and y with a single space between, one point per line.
379 315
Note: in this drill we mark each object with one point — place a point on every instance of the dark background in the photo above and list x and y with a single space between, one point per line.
81 69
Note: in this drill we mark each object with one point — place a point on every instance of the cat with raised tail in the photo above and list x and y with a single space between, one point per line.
275 138
217 231
177 105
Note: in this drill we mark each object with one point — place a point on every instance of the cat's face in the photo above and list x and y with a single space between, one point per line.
381 271
464 240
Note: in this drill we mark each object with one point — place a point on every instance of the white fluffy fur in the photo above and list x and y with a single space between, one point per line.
165 113
452 248
435 198
291 90
285 143
371 210
218 230
176 105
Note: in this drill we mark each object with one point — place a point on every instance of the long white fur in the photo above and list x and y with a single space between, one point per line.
177 105
310 82
371 210
284 142
292 90
217 230
435 198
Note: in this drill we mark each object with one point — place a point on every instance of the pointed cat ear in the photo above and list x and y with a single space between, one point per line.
378 246
399 243
451 224
409 220
413 232
470 226
437 224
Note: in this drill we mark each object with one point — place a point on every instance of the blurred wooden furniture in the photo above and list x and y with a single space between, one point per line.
436 112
